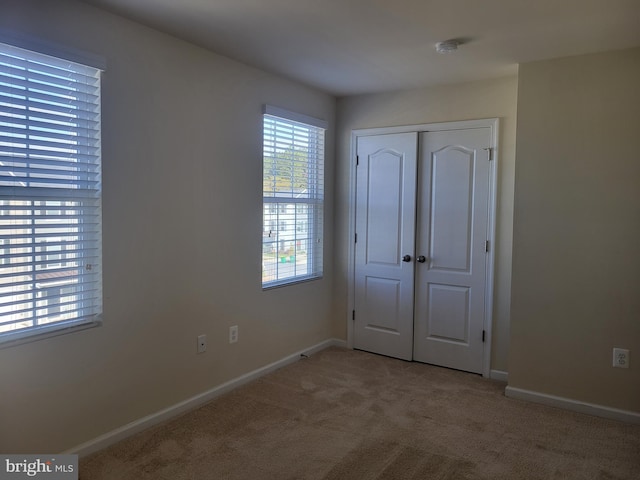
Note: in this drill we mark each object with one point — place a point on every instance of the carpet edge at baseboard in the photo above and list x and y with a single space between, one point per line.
499 375
148 421
573 405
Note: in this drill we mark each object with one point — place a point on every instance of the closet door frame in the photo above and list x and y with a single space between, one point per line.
494 125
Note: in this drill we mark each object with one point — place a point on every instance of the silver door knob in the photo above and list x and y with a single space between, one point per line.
406 258
422 259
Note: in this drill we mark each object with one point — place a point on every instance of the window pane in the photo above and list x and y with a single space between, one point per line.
293 193
50 225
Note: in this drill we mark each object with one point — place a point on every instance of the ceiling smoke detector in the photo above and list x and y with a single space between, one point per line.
448 46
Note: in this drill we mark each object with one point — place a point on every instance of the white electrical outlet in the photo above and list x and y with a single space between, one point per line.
233 334
620 358
202 343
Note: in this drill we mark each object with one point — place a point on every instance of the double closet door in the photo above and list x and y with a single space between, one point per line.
422 219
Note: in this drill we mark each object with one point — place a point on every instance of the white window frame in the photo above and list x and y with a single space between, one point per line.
294 255
50 190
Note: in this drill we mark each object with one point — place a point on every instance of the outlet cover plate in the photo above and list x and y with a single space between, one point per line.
233 334
202 343
621 358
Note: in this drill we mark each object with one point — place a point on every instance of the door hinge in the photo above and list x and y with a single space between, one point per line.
483 335
490 150
353 314
357 160
486 245
356 239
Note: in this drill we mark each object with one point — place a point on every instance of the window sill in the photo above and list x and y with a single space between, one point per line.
290 282
8 340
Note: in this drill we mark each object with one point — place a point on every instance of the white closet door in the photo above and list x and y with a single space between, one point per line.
385 227
453 207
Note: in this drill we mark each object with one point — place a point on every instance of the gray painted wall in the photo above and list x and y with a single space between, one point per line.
576 266
182 180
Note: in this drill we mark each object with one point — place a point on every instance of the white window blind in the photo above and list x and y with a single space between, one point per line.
50 194
293 197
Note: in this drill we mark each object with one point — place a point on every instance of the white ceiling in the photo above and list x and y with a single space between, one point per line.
358 46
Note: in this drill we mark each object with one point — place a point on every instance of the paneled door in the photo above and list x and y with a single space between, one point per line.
421 222
385 225
452 219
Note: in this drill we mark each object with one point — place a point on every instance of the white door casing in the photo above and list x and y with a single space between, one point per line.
384 273
437 297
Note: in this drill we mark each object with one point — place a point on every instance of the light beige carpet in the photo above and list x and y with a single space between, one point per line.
344 414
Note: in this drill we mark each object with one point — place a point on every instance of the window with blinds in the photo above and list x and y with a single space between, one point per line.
50 196
293 197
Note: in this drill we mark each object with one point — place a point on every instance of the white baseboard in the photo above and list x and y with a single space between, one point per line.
499 375
143 423
573 405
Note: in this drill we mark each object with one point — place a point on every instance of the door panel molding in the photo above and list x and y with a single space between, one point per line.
376 289
383 175
493 124
457 332
441 251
